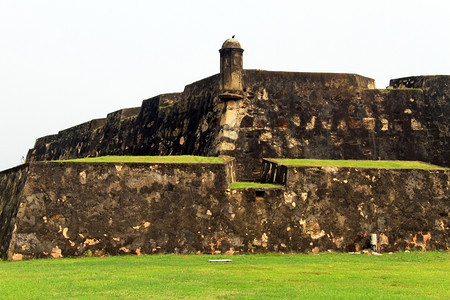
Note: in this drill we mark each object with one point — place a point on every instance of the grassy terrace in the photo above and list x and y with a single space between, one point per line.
243 184
381 164
415 275
189 159
390 88
175 159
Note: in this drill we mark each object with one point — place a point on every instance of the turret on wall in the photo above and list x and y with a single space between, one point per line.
231 69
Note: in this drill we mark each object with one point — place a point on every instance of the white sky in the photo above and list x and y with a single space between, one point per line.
65 62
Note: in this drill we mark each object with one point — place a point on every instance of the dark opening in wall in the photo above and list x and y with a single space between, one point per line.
259 195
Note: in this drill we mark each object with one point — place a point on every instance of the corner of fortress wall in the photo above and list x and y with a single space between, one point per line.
12 183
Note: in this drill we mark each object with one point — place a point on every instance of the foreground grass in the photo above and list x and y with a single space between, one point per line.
383 164
179 159
327 276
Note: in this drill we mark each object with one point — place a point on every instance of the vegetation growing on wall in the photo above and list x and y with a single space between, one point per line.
176 159
381 164
244 184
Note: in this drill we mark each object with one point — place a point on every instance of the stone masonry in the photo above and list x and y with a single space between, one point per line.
59 209
252 114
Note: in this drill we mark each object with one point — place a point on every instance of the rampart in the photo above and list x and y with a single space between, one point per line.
340 116
281 114
54 209
78 209
408 208
72 209
168 124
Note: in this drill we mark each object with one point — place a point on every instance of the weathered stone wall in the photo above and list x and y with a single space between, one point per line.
273 172
72 209
338 208
189 126
12 182
435 112
76 209
282 114
168 124
337 116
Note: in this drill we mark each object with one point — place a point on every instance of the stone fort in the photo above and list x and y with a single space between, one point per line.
50 207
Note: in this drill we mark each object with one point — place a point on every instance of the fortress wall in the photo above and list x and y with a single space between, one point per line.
12 182
189 126
338 208
440 82
411 126
73 209
406 208
283 114
113 135
168 124
436 91
77 209
111 140
287 114
334 118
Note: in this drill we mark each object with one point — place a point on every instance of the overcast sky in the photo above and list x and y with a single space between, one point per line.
65 62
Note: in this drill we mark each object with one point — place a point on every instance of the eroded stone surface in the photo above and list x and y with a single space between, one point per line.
188 208
132 209
12 183
281 114
340 207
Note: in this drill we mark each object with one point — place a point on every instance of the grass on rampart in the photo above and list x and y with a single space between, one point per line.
391 88
418 275
381 164
178 159
244 184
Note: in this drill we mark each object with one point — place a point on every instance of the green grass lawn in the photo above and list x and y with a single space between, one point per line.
418 275
383 164
178 159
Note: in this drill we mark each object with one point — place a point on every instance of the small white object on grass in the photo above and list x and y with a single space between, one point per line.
220 260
